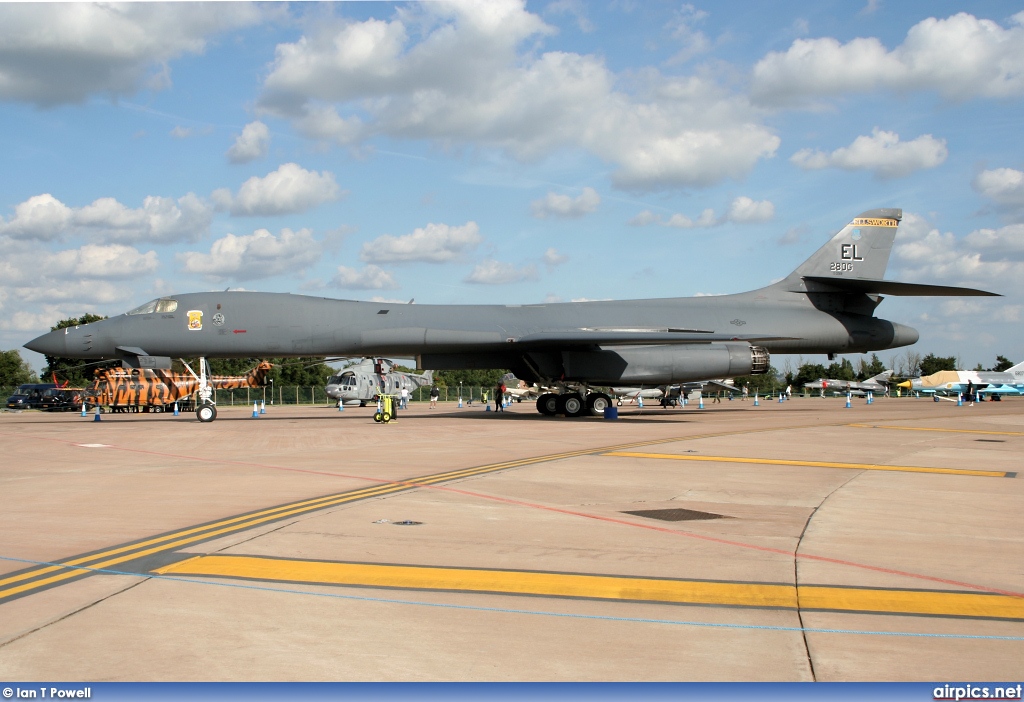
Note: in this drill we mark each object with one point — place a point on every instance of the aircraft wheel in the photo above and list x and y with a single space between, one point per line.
378 417
206 413
547 404
385 417
597 402
571 404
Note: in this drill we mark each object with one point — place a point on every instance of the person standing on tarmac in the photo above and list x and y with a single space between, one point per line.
499 398
434 394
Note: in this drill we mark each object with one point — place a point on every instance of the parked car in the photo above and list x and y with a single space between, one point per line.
29 396
61 399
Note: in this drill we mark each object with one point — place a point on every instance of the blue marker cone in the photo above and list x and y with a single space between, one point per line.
263 406
175 409
781 398
460 403
83 409
959 400
848 405
640 402
341 405
756 403
255 411
700 401
97 417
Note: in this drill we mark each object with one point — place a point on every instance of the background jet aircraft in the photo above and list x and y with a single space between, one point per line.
520 390
876 384
824 306
360 383
1007 382
668 395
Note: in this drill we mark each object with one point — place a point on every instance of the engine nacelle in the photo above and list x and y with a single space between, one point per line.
658 365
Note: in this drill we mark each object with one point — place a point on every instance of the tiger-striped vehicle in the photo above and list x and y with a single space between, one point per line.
156 390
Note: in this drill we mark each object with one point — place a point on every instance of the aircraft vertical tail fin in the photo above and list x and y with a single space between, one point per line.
1018 372
882 377
860 250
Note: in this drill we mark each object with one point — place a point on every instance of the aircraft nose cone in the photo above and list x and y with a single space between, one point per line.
51 344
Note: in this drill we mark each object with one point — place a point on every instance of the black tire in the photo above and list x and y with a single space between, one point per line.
378 417
206 413
597 402
385 417
571 404
547 404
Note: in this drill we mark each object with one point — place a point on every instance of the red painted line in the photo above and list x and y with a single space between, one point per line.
574 513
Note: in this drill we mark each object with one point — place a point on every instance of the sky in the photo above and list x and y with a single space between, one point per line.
508 152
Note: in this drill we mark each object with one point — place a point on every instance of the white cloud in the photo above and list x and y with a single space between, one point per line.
491 272
707 218
1004 186
882 153
256 255
553 258
557 205
959 57
180 132
642 219
110 262
57 53
998 244
576 9
986 259
692 41
288 190
251 144
370 278
408 78
160 219
434 243
41 217
742 210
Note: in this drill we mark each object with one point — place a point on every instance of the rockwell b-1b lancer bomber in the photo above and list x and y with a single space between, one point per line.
825 306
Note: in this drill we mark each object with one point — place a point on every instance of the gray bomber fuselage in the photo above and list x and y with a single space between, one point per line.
826 305
281 324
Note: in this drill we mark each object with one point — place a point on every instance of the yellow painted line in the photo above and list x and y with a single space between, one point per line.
499 581
958 604
812 464
184 537
951 431
607 587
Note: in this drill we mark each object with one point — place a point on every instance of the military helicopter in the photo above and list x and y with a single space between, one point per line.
157 389
360 384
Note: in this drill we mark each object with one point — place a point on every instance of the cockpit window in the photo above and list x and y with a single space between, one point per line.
163 304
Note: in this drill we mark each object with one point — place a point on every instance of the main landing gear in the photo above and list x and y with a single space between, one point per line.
573 404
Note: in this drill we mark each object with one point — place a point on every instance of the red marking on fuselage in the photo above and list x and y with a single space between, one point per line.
240 331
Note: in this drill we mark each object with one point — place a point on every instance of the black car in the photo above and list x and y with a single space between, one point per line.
29 396
61 399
